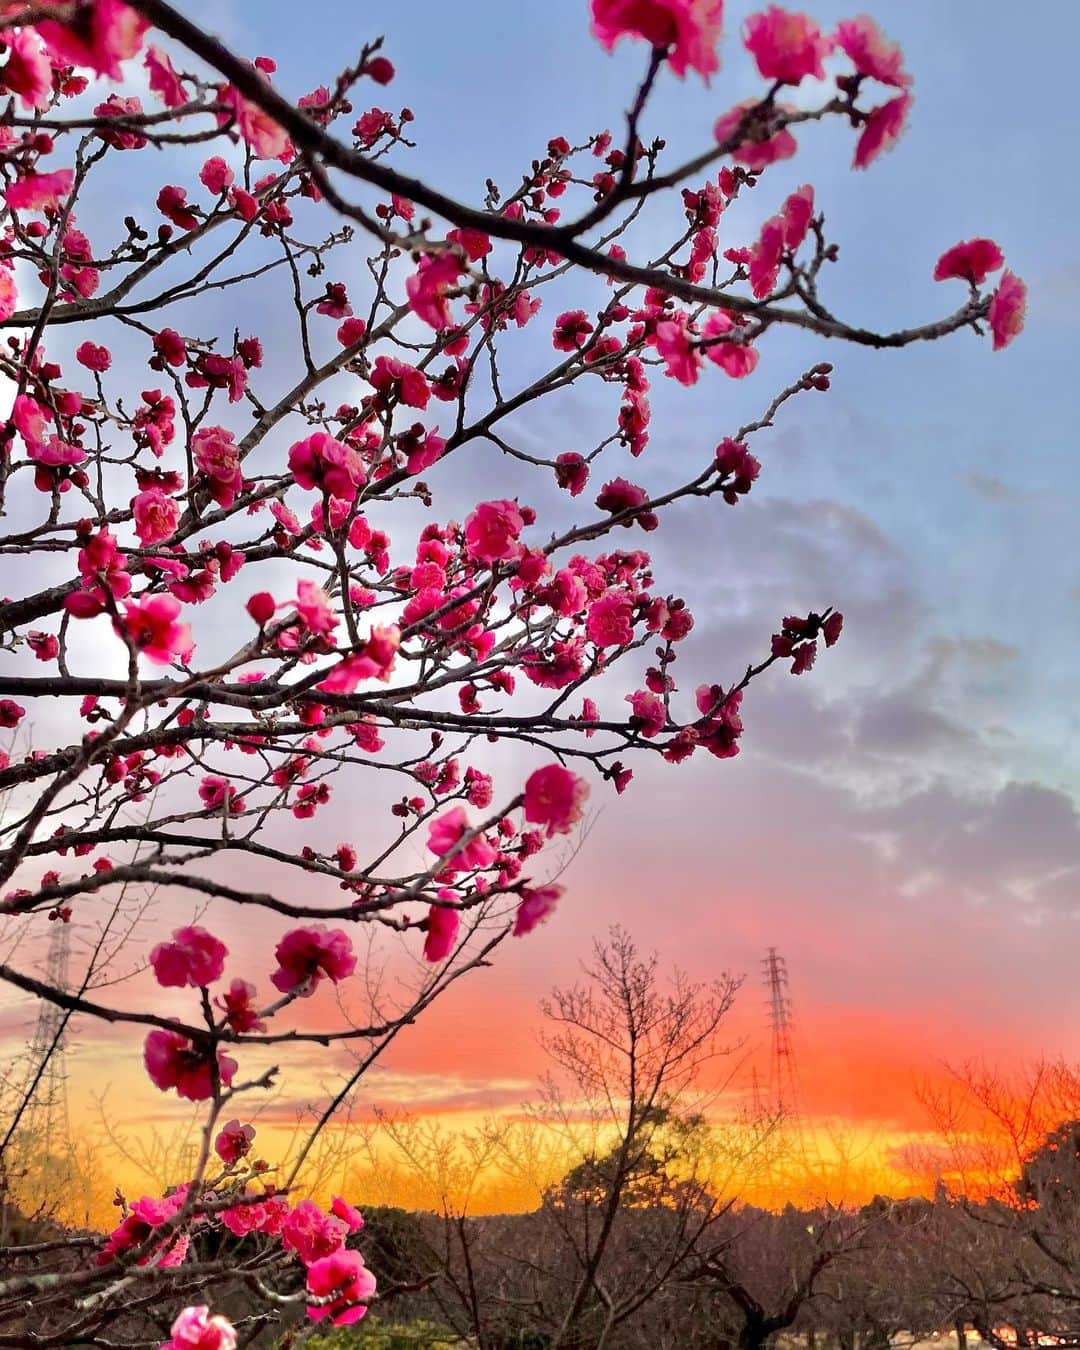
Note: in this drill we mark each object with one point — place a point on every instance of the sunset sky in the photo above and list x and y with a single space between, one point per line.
903 822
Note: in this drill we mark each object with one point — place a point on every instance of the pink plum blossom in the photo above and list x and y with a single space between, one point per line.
93 357
11 713
397 379
311 1234
322 462
571 472
28 71
349 1216
314 608
196 1329
435 275
572 331
690 29
156 515
233 1141
163 78
344 1280
797 213
674 342
491 532
972 260
753 154
39 191
446 834
194 957
112 32
215 175
871 52
649 712
237 1005
266 138
1008 307
736 359
735 463
306 956
881 130
217 456
151 625
555 798
537 904
443 923
375 661
786 46
137 1228
172 1061
610 620
9 295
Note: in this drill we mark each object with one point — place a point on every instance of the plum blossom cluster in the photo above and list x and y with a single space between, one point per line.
234 1198
260 658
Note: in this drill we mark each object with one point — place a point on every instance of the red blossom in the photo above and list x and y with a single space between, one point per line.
881 130
9 296
196 1329
610 620
233 1141
396 379
265 137
343 1281
972 260
786 46
571 472
755 153
216 175
151 625
217 456
491 532
448 835
871 52
1008 309
173 1061
110 33
156 515
11 713
28 70
306 956
311 1234
689 29
443 923
39 191
164 80
236 1004
194 957
435 275
537 904
172 203
322 462
93 357
555 798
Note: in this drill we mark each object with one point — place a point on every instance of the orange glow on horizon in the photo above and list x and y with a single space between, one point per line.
477 1057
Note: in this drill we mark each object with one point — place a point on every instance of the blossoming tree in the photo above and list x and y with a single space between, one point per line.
236 597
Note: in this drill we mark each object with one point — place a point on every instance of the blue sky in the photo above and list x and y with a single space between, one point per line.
966 462
935 489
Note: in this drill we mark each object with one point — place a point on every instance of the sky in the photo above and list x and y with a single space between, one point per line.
902 823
